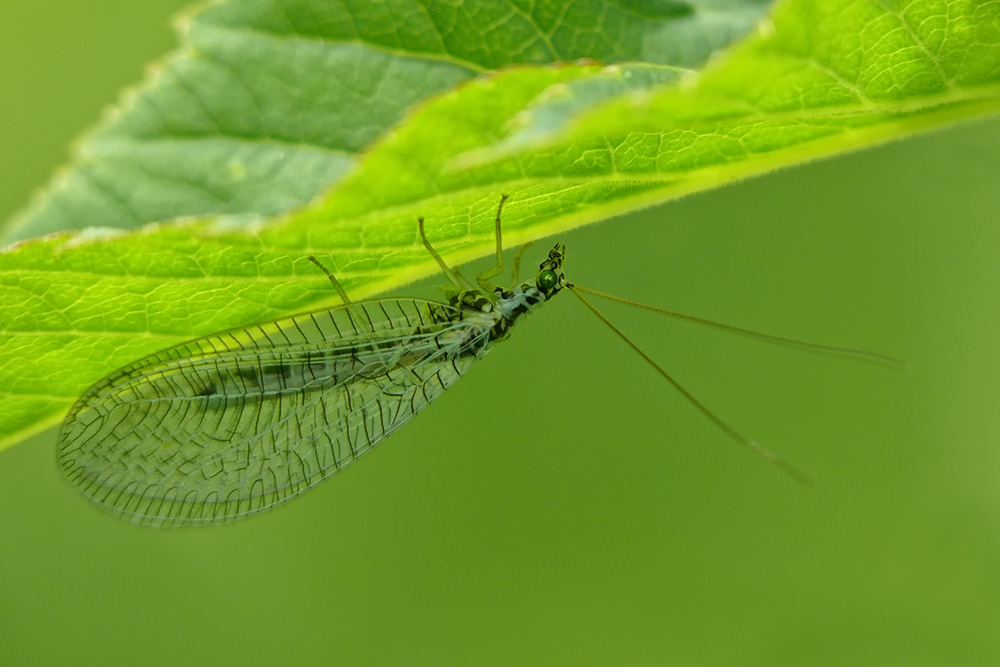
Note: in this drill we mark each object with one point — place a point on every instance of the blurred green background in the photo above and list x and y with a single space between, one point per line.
562 505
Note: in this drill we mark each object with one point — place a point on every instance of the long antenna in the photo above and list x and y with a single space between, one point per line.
861 355
785 466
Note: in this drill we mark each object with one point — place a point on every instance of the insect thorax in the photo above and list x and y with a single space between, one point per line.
496 312
512 304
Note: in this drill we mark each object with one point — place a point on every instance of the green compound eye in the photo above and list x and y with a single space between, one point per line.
547 280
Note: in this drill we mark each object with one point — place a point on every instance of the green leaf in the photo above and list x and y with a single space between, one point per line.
272 102
571 144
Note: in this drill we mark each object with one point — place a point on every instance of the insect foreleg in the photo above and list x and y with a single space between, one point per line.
517 262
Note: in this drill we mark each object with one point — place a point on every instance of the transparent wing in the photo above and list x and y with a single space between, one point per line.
233 424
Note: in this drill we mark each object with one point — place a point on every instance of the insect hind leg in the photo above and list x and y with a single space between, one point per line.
336 283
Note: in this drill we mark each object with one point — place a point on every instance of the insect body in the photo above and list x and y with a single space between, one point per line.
232 424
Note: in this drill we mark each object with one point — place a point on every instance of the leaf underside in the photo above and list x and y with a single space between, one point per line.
295 128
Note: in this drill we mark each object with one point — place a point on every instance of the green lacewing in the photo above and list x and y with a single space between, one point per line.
233 424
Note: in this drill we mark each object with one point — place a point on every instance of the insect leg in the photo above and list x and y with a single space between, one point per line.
517 262
336 283
485 278
453 275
